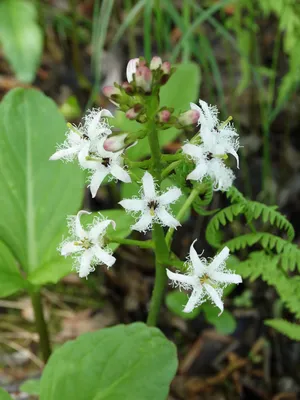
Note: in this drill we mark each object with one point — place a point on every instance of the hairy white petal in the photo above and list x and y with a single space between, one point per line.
219 259
79 231
65 153
213 294
185 281
92 126
85 267
103 256
222 176
225 278
198 265
97 178
209 114
131 68
148 186
99 229
119 173
170 196
132 204
69 248
83 153
199 172
193 151
193 300
166 218
143 223
105 113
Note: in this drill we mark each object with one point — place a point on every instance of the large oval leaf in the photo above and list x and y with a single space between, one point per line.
133 362
11 280
35 193
21 37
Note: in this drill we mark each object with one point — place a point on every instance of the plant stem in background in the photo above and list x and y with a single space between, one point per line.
41 325
145 244
147 29
186 17
193 195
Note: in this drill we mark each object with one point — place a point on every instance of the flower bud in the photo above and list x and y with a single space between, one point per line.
143 78
166 68
115 142
110 91
133 112
164 116
131 68
155 63
127 87
190 117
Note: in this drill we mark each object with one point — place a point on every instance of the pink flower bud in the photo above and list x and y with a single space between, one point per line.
127 87
155 63
143 78
166 68
115 142
132 113
190 117
164 116
110 91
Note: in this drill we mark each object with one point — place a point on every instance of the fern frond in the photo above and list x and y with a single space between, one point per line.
222 218
269 214
266 240
235 196
285 327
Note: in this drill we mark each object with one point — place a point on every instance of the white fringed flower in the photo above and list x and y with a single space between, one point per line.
84 137
217 140
110 163
205 280
131 68
154 208
215 168
87 246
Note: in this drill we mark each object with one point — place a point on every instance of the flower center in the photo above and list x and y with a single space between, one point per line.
152 206
85 243
105 162
204 279
85 137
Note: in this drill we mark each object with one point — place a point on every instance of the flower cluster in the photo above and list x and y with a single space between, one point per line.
217 140
88 142
101 151
205 280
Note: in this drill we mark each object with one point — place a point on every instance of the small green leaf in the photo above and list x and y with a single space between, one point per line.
176 300
287 328
31 386
21 37
225 323
124 362
11 280
4 395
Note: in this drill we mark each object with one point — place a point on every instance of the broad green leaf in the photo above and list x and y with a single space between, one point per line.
125 362
36 194
176 300
180 90
225 323
11 280
21 37
31 386
58 267
4 395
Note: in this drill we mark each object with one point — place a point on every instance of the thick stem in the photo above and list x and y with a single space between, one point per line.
41 325
161 251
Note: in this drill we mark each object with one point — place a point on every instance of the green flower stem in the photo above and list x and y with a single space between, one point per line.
172 157
147 244
161 248
137 164
170 168
41 325
193 195
161 251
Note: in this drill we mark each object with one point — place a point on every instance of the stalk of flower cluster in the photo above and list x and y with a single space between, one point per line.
161 248
41 325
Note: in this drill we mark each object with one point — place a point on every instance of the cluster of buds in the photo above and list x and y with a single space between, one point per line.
143 79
